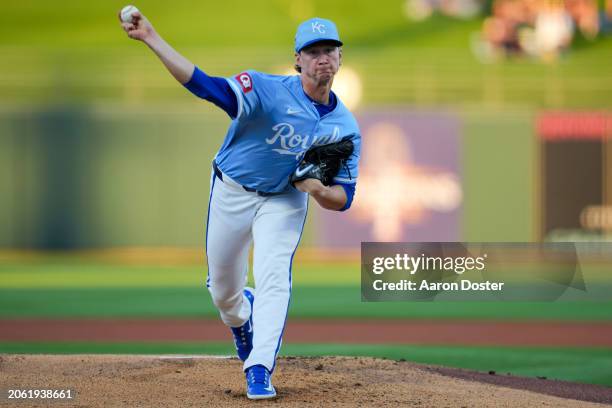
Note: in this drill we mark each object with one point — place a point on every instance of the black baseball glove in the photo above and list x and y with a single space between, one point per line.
323 162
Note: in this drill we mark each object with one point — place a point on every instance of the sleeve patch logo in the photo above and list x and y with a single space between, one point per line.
245 81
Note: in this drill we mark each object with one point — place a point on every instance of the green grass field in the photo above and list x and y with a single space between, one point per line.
52 288
307 302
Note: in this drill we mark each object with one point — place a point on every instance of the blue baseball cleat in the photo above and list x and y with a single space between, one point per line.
243 335
258 383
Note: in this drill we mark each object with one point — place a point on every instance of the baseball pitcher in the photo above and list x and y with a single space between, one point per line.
290 137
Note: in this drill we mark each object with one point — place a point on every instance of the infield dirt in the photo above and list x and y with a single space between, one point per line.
185 381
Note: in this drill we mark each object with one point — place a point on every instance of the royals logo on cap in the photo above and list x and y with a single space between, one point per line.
318 27
315 30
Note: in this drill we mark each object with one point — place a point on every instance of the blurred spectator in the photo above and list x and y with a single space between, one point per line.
553 31
419 10
584 13
461 8
501 29
541 28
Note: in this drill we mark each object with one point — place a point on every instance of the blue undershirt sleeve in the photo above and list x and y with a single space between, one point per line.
213 89
349 189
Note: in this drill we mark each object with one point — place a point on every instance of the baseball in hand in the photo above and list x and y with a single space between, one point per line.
127 12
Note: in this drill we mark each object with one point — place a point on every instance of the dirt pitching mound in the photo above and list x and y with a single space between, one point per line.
185 381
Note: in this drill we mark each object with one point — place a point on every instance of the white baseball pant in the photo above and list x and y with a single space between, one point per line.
273 224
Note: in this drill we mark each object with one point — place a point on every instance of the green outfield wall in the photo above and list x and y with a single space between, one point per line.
86 177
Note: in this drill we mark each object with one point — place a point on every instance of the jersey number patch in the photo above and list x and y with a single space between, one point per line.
245 82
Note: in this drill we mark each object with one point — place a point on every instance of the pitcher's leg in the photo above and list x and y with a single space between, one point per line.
277 231
228 238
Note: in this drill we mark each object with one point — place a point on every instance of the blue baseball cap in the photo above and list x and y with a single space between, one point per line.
315 30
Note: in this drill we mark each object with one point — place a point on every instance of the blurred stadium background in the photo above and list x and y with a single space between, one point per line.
482 121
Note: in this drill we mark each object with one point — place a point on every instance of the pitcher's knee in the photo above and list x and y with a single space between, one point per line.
222 304
225 301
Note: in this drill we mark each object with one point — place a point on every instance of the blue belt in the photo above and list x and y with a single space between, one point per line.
219 175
